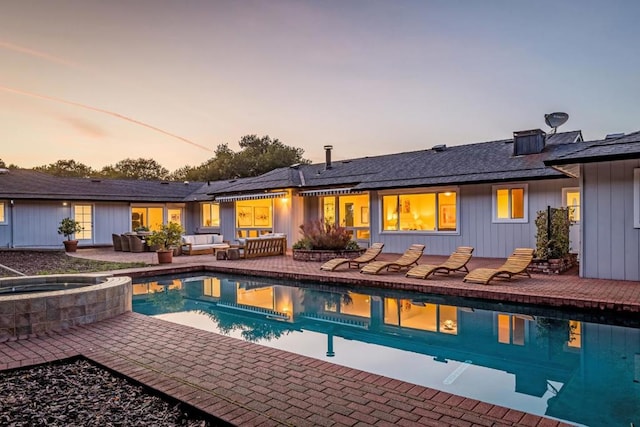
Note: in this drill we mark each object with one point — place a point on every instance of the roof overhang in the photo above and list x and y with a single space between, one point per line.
328 192
255 196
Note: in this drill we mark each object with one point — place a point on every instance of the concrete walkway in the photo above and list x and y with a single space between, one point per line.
248 384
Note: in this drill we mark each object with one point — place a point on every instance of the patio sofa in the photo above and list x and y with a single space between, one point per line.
266 245
197 244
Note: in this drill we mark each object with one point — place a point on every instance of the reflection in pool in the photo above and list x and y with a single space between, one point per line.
557 365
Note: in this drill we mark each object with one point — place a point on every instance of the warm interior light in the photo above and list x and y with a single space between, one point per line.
64 203
447 193
284 199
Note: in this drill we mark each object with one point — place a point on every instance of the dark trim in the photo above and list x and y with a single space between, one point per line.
592 159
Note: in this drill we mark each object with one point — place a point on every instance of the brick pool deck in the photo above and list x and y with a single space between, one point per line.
248 384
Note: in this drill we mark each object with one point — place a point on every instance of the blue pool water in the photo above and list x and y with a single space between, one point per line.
557 364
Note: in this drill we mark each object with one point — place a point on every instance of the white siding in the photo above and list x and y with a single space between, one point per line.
611 245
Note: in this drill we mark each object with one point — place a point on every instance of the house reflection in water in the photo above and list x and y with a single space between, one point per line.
585 371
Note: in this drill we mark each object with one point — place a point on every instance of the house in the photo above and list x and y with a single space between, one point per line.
485 195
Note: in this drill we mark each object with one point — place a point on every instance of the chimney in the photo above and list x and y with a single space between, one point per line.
327 153
528 142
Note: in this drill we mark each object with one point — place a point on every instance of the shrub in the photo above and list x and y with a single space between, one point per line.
69 226
168 236
324 235
556 244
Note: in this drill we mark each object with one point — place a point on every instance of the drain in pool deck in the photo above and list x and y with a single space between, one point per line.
78 393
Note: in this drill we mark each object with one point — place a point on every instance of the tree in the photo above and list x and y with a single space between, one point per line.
135 169
67 168
257 156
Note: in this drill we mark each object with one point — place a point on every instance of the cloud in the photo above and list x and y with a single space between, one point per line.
85 126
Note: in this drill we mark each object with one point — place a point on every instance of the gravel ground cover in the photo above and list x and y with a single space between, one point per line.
54 262
79 393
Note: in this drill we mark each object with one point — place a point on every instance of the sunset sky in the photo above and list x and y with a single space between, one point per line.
100 81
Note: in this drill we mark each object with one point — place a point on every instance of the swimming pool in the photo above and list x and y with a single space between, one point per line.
557 364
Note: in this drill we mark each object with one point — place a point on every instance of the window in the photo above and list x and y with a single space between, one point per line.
210 215
351 212
254 217
174 215
571 198
151 217
84 215
3 213
437 211
510 203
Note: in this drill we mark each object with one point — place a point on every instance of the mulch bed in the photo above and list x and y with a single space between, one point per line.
33 262
78 393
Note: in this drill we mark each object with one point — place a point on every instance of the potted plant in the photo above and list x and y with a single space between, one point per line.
68 227
165 240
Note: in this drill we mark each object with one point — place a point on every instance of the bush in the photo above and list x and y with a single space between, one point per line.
324 235
169 236
556 245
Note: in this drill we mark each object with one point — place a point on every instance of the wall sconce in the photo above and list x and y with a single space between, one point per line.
65 204
284 199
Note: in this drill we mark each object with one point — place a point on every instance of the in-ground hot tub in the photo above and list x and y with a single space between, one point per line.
37 304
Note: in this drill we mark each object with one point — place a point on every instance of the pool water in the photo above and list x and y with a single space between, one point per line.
531 359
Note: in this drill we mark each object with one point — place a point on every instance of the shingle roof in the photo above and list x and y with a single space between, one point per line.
623 147
28 184
472 163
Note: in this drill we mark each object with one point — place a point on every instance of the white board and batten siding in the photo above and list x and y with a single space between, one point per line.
475 222
611 243
35 223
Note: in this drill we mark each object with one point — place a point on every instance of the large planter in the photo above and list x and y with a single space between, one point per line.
70 245
323 255
165 256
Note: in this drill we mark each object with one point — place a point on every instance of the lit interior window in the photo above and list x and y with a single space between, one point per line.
502 203
573 203
517 203
210 215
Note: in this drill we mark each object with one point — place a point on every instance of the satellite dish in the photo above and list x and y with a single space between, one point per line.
555 120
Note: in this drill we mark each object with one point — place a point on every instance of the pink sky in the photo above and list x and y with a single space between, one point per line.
100 81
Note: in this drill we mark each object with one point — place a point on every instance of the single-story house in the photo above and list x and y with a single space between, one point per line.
485 195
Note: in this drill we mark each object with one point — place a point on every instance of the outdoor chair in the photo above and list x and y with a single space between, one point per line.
370 255
516 264
124 240
457 261
409 258
117 242
135 243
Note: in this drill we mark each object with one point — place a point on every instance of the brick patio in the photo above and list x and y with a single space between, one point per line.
248 384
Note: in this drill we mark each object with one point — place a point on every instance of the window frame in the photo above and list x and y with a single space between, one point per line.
4 220
92 208
211 204
494 203
421 191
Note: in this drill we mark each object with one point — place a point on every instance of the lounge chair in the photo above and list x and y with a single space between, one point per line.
457 261
370 254
409 258
516 264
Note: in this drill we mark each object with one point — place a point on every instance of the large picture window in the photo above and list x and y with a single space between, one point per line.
210 215
351 212
510 203
147 216
437 211
254 217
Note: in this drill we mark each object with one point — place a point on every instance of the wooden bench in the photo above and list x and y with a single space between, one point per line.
264 246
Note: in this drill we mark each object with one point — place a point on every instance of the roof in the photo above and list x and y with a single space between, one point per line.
620 148
29 184
483 162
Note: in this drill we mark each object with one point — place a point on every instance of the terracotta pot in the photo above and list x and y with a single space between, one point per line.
70 245
165 256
